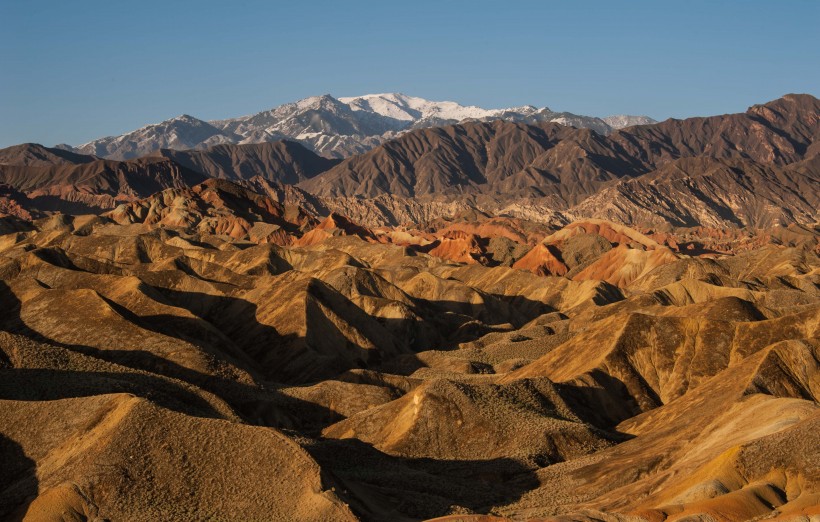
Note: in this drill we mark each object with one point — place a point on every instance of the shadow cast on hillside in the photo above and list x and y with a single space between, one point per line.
376 485
325 351
143 374
227 330
18 480
379 486
10 224
604 402
47 203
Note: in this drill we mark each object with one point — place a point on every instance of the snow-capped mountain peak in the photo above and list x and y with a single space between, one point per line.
335 127
315 102
410 108
391 105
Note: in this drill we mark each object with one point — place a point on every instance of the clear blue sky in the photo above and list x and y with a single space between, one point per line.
74 71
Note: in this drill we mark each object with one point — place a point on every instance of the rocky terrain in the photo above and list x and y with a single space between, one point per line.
209 353
493 320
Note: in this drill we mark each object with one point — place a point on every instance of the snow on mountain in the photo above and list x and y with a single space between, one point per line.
621 121
413 109
182 132
409 108
334 127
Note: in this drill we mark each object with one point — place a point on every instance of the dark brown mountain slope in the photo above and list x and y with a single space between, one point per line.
283 161
474 157
499 156
98 183
781 131
35 155
704 191
56 180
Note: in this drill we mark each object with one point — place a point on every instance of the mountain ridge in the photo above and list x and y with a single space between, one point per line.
333 127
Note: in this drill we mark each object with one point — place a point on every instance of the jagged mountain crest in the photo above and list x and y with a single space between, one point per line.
181 132
332 127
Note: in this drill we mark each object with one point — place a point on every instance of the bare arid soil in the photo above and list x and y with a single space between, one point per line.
170 360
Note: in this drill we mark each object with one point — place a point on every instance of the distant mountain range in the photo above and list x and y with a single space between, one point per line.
756 169
334 128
